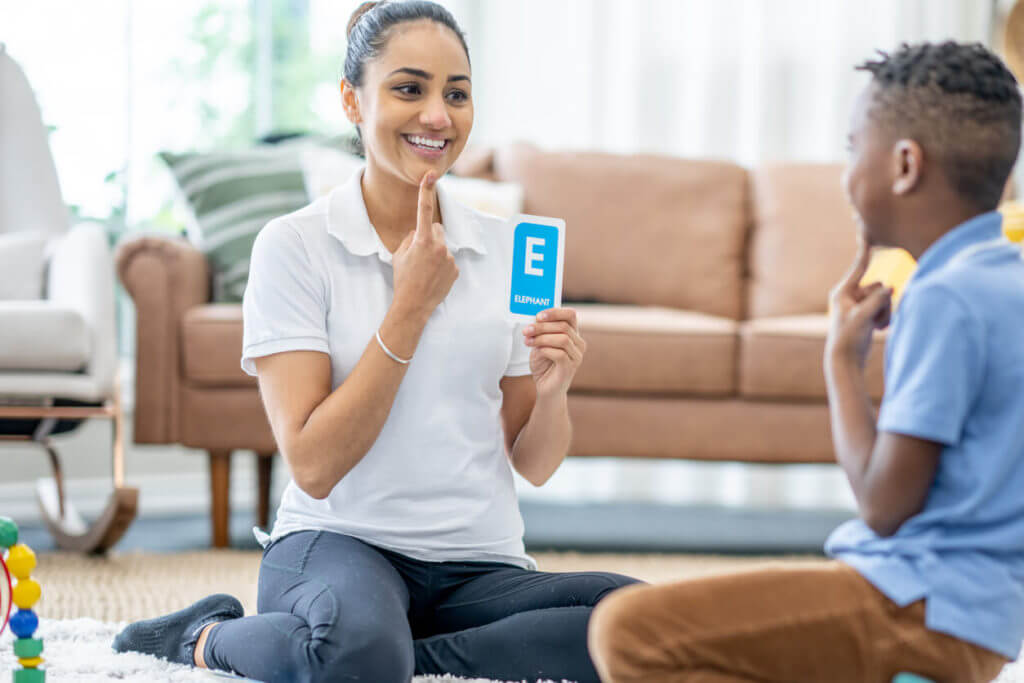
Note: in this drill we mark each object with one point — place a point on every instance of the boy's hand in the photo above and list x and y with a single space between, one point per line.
856 312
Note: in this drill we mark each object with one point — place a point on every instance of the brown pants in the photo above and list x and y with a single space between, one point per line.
822 623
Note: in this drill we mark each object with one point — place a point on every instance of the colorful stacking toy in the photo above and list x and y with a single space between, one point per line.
18 560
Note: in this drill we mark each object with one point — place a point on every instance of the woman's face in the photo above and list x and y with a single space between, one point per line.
415 107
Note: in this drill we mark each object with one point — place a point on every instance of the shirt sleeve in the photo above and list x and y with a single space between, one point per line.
519 359
284 307
934 367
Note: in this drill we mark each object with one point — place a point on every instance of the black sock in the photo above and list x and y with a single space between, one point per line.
173 637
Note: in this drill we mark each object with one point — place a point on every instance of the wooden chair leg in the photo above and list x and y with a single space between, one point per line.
264 472
69 529
220 504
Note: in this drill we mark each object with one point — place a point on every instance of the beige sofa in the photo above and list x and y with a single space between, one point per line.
702 289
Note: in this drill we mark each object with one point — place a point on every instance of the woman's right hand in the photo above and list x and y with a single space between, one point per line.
424 268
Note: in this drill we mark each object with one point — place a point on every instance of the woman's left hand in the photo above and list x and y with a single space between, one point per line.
557 350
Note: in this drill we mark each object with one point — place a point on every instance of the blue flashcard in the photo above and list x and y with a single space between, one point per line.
538 249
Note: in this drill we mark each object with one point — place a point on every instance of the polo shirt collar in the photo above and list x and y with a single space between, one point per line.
983 228
348 221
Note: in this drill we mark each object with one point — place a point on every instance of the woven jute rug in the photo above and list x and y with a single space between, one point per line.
137 586
87 600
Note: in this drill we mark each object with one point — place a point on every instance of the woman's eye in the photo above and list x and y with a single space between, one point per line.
458 96
408 89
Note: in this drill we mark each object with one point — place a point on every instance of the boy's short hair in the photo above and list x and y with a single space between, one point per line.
961 104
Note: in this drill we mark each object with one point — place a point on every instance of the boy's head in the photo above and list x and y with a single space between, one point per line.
937 128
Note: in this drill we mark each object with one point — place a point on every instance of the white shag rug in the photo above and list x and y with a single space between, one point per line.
78 650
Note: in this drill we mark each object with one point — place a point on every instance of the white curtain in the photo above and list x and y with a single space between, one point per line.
745 80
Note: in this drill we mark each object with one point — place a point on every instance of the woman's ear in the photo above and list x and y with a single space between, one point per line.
908 163
350 102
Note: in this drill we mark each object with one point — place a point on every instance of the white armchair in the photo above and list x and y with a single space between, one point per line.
58 343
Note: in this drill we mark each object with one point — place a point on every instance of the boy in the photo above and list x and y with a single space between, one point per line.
930 579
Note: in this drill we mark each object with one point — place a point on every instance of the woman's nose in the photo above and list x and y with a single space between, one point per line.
435 114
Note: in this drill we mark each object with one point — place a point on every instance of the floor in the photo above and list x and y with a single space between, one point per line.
552 525
127 586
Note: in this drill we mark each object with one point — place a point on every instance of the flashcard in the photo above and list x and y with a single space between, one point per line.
538 249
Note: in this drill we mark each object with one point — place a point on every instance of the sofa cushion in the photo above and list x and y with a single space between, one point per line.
634 349
211 337
39 335
700 428
781 358
22 264
804 239
641 229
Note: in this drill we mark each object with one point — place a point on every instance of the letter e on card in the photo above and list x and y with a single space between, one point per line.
538 249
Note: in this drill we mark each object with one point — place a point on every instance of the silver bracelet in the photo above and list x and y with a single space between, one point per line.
391 354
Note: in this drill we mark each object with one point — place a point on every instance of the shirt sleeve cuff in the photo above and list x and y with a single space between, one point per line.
518 369
902 422
271 346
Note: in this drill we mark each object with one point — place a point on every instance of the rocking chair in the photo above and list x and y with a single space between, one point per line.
58 343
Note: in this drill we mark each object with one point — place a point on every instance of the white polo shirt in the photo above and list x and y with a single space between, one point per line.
437 484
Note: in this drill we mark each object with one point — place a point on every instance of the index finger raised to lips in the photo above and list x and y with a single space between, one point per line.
859 267
425 205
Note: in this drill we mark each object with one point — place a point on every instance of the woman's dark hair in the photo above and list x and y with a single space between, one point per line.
369 26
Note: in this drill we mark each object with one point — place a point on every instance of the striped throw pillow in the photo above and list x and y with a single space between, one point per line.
230 197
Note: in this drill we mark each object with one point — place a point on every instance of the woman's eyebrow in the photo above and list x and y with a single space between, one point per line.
420 73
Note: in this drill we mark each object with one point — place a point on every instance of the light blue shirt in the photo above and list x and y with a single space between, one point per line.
955 375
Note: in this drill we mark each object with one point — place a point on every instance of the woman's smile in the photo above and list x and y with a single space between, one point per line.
427 146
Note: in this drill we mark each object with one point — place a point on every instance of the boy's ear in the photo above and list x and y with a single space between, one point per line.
350 102
908 164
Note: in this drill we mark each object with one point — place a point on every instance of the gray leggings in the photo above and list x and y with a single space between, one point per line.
332 608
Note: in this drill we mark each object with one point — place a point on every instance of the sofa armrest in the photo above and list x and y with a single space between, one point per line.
80 276
165 277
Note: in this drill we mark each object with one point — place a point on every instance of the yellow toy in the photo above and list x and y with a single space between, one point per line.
891 267
894 267
18 560
1013 221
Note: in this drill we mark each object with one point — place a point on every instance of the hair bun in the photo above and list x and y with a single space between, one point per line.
358 13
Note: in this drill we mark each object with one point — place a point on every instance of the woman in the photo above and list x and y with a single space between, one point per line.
399 394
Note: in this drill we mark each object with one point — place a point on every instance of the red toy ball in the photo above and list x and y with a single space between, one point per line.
5 594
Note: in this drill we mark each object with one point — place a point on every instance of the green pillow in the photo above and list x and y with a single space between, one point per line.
230 197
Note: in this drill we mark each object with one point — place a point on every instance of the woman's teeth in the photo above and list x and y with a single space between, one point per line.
426 142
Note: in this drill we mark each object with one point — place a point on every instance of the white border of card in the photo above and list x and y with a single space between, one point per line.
514 222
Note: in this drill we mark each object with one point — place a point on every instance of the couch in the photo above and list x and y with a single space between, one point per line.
702 290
